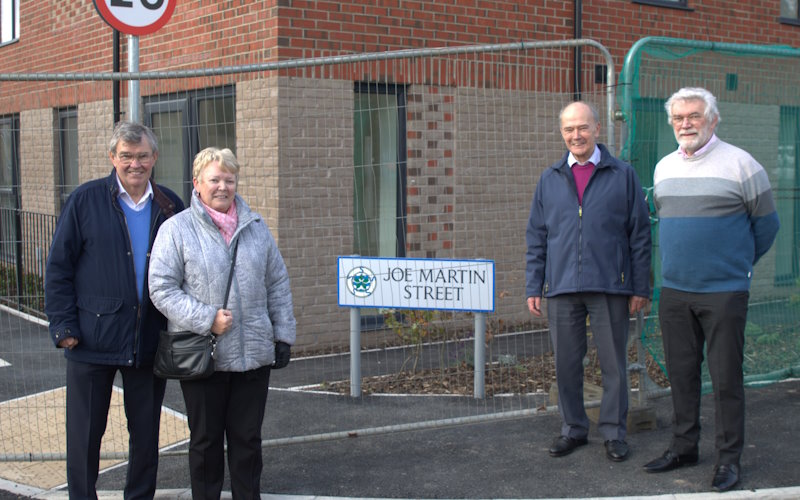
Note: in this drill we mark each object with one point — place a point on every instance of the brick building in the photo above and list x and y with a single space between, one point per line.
300 134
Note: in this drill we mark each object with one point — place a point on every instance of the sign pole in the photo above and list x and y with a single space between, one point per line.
135 18
355 352
479 358
133 85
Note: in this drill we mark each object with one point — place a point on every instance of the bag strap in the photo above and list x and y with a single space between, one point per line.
230 275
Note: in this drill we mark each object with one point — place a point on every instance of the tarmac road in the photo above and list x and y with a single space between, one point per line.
509 459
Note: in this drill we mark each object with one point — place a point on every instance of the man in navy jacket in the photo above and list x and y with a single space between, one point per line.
100 312
588 241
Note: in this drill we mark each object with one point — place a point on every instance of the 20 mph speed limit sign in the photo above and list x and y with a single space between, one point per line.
135 17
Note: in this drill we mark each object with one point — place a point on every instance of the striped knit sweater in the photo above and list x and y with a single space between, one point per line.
716 218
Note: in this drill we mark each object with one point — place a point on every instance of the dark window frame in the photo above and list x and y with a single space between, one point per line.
10 250
188 103
401 215
61 131
669 4
794 21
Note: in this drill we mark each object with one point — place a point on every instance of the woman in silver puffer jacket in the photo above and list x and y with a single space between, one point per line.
189 268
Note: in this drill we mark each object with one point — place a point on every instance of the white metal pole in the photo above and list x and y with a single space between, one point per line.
355 352
479 358
133 85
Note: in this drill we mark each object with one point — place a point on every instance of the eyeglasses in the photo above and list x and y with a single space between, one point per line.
127 158
694 118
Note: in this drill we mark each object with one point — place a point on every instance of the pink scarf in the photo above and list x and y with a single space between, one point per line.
226 222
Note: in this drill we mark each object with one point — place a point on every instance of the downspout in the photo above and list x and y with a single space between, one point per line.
115 84
578 33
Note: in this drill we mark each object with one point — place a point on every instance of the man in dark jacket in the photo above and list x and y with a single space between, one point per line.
100 312
588 240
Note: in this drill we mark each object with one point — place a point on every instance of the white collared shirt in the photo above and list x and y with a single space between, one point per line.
595 158
127 200
700 151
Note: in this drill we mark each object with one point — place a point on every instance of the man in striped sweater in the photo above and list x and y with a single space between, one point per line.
716 219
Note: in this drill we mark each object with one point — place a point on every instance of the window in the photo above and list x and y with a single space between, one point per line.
9 20
789 11
9 188
379 153
186 124
787 203
67 161
674 4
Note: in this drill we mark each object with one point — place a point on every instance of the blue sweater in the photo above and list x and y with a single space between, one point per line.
716 218
139 229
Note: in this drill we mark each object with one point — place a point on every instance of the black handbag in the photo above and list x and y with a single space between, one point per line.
187 355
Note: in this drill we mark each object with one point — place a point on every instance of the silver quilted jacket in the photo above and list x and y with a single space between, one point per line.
189 267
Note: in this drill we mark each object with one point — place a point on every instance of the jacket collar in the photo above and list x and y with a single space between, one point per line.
159 198
605 159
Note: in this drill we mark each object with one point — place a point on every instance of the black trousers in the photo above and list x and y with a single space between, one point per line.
688 322
226 406
89 389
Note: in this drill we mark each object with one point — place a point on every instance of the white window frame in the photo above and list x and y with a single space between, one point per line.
9 21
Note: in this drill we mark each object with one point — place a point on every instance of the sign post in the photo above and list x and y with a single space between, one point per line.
440 284
135 18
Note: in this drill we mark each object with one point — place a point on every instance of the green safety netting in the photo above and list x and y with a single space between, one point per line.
756 88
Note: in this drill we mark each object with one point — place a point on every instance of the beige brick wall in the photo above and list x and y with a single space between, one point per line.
95 126
37 161
295 142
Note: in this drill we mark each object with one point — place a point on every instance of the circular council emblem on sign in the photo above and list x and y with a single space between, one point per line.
135 17
361 282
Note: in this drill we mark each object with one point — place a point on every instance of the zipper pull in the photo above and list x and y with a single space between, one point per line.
580 211
623 277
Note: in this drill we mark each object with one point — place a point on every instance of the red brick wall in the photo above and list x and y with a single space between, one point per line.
618 24
59 36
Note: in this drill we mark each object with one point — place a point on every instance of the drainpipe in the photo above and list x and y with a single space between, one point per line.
577 21
115 83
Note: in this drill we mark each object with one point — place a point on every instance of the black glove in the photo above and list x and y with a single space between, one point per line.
283 352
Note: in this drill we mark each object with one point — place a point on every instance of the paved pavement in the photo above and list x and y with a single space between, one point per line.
505 459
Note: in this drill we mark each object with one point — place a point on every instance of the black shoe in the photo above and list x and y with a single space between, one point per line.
725 477
616 450
564 445
669 461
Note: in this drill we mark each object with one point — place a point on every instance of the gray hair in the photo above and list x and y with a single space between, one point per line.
132 133
227 160
692 94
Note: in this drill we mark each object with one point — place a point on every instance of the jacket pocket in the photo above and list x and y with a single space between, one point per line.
102 326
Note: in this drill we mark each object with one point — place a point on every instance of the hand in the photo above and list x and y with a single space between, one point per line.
68 343
636 304
535 306
283 352
222 322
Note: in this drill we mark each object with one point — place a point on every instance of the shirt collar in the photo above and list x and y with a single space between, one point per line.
699 151
127 200
595 158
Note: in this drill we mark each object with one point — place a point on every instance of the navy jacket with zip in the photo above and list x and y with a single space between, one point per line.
90 281
603 246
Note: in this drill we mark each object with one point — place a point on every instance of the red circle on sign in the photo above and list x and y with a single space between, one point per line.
118 24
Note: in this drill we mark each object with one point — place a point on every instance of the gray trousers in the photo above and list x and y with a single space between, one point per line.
610 321
690 321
